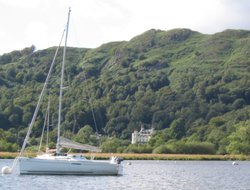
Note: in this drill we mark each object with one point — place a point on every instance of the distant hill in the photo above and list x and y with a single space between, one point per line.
191 86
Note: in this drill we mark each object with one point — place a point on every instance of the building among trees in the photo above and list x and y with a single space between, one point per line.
142 137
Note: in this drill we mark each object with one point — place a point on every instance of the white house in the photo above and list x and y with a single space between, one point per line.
142 136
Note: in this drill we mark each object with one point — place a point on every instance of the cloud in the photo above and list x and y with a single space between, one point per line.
93 22
37 31
20 4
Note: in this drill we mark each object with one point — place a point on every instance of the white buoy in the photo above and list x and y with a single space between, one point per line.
6 170
235 163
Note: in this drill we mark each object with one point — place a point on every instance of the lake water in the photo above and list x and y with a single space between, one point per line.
167 175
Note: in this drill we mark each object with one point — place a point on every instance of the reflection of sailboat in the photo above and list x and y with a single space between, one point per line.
61 163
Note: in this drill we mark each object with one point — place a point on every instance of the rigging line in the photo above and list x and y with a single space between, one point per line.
90 102
38 105
44 125
84 75
46 122
47 139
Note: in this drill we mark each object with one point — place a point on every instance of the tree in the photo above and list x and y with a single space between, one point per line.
39 76
113 145
161 120
28 50
177 129
115 126
240 139
11 73
5 58
86 135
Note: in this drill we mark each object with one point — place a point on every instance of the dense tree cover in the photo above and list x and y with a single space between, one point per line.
194 89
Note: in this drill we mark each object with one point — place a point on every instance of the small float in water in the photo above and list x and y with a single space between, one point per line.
6 170
235 163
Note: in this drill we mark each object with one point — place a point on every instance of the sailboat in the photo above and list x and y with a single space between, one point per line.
59 163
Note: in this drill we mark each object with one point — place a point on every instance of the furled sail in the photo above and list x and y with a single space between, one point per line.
66 143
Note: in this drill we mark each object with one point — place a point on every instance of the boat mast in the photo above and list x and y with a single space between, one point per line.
48 122
61 86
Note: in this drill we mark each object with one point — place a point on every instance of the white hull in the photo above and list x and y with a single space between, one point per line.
68 165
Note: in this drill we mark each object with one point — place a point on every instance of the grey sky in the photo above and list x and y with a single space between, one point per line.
94 22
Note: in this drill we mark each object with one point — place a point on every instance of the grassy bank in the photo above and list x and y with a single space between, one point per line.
172 156
9 155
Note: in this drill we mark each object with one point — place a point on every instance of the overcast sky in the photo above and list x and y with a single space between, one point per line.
94 22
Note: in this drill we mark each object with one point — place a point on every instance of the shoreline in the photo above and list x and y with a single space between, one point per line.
134 156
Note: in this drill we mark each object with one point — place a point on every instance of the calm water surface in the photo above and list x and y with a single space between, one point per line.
168 175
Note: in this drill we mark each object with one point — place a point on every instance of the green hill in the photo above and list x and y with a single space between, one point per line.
191 87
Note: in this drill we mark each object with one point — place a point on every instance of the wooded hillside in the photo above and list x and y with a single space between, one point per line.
194 89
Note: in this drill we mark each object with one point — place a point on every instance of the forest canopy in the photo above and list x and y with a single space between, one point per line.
192 88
